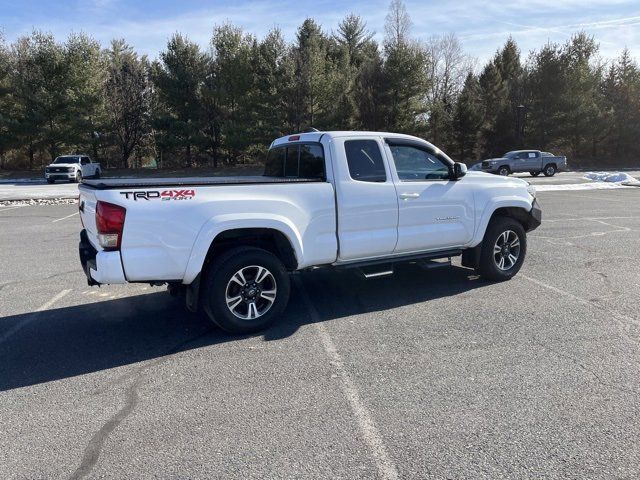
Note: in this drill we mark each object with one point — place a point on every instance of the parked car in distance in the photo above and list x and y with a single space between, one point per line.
533 161
73 168
359 200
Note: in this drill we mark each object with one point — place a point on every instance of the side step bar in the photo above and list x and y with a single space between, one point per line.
400 259
384 267
429 264
377 272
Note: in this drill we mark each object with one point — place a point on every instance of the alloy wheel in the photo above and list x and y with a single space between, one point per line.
251 292
506 250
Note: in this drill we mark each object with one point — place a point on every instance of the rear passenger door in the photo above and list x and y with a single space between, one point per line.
367 202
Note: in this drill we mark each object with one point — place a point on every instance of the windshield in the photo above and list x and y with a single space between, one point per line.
67 160
510 155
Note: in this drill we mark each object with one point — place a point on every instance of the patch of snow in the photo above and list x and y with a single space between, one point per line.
582 186
612 177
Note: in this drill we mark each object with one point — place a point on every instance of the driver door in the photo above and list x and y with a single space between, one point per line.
434 212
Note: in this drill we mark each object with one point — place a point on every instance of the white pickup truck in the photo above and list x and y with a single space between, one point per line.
364 200
73 168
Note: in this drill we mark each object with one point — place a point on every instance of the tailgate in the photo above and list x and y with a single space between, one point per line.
87 206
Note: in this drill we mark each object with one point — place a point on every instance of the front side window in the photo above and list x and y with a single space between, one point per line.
413 164
365 161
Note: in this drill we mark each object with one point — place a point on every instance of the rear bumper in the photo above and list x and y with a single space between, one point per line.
100 267
535 216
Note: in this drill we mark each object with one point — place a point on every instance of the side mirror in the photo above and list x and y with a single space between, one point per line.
459 170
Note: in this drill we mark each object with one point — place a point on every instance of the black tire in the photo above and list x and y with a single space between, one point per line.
78 178
218 282
97 175
504 171
488 267
549 170
50 180
534 174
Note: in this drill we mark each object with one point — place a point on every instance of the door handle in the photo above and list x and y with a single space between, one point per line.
406 196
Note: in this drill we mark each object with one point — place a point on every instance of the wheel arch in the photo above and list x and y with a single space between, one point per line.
520 213
276 235
269 239
517 208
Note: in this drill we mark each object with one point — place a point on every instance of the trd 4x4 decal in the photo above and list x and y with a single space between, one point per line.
162 195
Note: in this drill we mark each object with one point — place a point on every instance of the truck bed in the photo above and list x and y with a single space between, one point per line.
114 183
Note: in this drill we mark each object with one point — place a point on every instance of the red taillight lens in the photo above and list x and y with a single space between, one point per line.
110 222
294 138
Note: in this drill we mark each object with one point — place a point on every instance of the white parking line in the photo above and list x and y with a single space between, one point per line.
622 319
64 218
11 208
30 318
372 438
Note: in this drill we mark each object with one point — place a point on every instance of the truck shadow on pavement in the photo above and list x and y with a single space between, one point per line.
71 341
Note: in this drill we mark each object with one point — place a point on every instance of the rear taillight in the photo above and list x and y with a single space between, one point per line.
110 223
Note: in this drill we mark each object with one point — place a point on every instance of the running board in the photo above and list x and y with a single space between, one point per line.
429 264
390 260
378 272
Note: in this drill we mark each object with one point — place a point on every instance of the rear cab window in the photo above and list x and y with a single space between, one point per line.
301 160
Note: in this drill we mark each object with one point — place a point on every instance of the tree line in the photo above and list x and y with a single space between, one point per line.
225 103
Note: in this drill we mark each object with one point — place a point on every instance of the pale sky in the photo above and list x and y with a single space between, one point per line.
482 26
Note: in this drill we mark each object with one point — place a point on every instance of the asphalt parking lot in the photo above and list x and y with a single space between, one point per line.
427 374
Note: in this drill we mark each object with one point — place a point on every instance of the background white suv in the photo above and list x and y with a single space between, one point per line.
73 168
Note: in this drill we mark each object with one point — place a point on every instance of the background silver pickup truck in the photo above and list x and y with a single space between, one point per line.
532 161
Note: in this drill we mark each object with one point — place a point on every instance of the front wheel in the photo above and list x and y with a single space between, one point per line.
50 181
78 178
504 171
534 174
503 249
245 290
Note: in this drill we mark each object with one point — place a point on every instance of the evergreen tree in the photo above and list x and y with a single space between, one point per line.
178 77
233 59
502 90
86 84
405 74
467 118
7 104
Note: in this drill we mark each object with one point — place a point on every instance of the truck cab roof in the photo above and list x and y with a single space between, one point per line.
317 137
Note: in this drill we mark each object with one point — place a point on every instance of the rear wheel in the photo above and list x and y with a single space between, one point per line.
549 170
534 174
97 175
504 171
503 249
245 290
